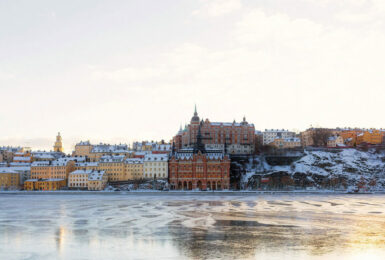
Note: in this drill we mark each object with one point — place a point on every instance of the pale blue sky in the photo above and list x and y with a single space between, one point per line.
130 70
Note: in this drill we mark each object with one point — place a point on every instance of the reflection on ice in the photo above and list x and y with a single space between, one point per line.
111 226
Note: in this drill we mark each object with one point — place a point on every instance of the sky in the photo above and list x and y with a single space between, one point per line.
118 71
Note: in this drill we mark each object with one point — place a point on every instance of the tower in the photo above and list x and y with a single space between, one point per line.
58 147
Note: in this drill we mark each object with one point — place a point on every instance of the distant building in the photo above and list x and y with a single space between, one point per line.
198 168
134 168
335 141
155 166
286 143
44 184
58 169
269 135
114 167
97 180
58 146
79 179
9 178
239 137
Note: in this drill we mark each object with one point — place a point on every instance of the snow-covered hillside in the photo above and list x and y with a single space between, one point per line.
321 169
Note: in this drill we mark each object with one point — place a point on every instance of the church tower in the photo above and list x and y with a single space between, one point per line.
58 147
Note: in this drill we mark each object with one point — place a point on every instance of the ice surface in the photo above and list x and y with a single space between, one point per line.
179 226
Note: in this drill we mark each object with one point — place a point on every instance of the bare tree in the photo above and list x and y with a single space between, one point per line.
320 136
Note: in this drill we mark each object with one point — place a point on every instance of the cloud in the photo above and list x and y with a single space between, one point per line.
216 8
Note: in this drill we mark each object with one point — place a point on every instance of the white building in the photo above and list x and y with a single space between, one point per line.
155 166
269 135
79 179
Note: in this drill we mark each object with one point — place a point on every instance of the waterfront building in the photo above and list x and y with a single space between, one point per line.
238 136
58 146
58 169
155 166
114 167
97 180
199 168
79 179
9 178
134 168
44 184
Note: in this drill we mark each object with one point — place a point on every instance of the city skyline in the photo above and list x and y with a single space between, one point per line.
125 71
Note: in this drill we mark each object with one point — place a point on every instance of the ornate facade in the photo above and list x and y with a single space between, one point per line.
198 168
236 138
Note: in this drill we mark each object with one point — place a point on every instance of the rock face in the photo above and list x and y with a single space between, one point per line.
339 169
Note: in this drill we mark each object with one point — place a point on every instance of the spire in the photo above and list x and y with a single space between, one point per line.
195 118
199 146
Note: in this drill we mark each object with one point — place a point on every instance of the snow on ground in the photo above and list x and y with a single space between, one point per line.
350 164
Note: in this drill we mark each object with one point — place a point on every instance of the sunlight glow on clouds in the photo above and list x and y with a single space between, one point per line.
283 64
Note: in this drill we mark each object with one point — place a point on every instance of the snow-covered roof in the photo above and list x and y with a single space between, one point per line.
87 164
112 158
40 163
155 157
83 143
21 158
134 161
96 176
20 164
7 170
81 172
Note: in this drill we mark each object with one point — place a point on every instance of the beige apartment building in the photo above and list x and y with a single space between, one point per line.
79 179
155 166
134 168
97 180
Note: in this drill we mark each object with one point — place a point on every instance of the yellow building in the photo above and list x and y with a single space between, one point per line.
83 149
114 167
134 168
58 147
58 169
97 180
371 136
9 179
44 184
87 166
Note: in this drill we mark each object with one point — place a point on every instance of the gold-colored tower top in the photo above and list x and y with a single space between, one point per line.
58 147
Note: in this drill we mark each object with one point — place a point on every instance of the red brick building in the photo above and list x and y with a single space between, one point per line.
239 138
198 168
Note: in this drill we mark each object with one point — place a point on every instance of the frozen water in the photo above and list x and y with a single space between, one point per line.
179 226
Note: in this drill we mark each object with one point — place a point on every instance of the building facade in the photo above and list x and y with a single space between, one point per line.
198 168
9 179
134 168
155 166
97 180
269 135
239 136
44 184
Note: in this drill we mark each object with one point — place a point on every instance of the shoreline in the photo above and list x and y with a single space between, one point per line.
186 193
